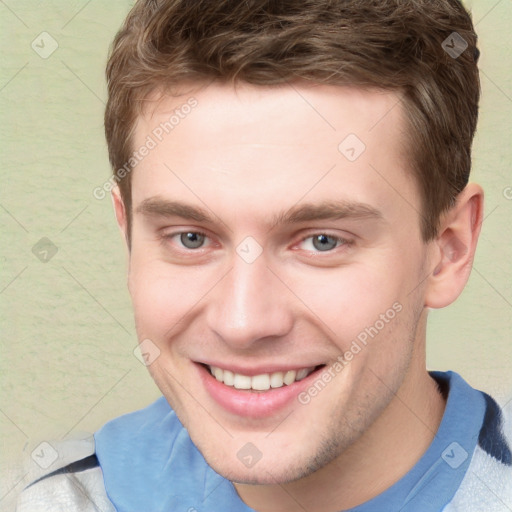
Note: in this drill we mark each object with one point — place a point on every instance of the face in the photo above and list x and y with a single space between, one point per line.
276 268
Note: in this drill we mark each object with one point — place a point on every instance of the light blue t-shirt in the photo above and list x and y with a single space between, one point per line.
149 462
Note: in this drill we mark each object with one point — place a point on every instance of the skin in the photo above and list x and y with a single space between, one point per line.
245 156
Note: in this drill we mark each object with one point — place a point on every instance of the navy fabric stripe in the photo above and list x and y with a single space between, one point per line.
78 466
491 438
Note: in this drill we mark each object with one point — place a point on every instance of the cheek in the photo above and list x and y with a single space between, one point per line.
352 299
164 294
160 298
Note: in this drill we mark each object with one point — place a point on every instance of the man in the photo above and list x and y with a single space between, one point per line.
291 180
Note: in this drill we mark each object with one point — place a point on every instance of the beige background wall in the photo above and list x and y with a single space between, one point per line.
67 334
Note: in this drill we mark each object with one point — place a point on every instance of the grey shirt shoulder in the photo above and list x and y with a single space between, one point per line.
64 476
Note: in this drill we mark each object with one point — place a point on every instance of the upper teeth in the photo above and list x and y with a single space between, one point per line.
261 382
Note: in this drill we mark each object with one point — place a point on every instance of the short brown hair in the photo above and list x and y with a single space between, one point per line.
395 45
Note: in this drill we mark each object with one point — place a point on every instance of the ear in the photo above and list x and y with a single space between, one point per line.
454 248
120 211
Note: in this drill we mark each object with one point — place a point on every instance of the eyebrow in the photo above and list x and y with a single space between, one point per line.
327 210
158 207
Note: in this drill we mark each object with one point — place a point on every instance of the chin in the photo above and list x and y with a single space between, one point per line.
260 476
271 471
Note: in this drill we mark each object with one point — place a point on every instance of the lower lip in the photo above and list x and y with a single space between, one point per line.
253 404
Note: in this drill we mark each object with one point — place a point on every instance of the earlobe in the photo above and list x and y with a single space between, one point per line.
454 248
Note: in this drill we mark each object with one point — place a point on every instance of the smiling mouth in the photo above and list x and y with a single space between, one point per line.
262 382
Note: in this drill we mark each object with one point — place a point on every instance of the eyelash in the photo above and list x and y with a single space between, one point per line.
170 236
343 242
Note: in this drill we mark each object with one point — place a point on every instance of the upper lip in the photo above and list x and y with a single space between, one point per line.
250 371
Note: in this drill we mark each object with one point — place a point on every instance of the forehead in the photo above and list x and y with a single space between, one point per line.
307 112
259 146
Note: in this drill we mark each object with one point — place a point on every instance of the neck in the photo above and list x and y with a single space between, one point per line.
377 460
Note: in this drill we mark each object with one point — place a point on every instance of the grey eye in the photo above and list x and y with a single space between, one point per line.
192 240
324 242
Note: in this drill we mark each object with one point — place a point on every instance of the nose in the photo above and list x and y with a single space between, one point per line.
249 305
